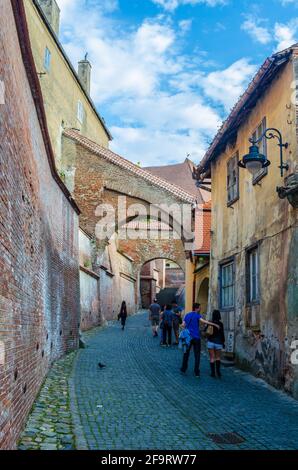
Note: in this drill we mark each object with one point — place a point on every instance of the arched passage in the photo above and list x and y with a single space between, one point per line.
163 279
116 188
202 294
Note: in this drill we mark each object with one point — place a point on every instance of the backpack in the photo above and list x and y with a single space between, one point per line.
167 318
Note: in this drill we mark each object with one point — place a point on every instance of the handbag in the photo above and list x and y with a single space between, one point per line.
209 331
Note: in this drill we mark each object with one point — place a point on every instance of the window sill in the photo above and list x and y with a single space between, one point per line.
253 303
229 204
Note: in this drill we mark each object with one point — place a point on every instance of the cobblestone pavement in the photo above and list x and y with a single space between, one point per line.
141 401
50 425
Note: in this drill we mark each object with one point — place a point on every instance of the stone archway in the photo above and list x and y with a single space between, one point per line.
161 278
98 178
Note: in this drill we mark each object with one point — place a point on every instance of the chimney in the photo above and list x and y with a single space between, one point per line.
84 72
52 12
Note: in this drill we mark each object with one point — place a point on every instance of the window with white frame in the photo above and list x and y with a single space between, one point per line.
253 288
80 112
47 59
262 147
227 284
232 179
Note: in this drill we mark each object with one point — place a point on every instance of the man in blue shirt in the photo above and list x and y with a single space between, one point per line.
192 322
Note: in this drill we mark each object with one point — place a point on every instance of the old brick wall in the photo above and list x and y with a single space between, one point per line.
39 282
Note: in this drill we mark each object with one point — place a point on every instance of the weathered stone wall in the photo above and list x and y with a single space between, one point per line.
90 307
264 331
39 282
117 283
89 284
175 277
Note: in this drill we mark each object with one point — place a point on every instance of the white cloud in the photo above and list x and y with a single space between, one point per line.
171 5
286 2
185 26
282 34
252 26
225 86
157 97
286 34
155 147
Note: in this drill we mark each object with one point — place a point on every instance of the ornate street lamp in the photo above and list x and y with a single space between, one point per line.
254 160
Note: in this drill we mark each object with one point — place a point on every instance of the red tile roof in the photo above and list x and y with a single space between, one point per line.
181 174
129 166
203 229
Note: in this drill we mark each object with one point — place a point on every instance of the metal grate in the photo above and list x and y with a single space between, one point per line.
226 438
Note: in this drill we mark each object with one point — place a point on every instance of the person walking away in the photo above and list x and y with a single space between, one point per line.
215 343
154 317
123 314
167 319
177 320
192 322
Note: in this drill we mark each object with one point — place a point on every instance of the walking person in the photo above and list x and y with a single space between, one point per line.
192 323
167 319
215 344
154 317
177 320
123 314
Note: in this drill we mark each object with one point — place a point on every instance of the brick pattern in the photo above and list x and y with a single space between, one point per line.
39 283
203 229
127 165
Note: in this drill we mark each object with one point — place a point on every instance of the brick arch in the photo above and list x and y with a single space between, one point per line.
96 176
166 259
110 196
143 251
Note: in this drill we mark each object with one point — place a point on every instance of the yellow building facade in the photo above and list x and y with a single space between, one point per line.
254 241
66 98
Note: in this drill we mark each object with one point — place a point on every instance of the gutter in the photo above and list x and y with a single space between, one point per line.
29 64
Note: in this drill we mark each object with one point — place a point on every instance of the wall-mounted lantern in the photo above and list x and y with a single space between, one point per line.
254 160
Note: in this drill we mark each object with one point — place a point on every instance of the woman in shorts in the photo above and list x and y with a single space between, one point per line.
216 343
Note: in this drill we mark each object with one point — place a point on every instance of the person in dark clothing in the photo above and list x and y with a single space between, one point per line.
154 317
123 314
177 320
192 322
167 320
215 344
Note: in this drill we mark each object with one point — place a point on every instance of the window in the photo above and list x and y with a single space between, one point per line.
253 275
263 149
233 179
80 112
47 59
227 285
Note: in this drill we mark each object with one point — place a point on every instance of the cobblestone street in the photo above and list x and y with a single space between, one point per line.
141 401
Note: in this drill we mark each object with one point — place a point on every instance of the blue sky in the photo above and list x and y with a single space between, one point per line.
165 73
